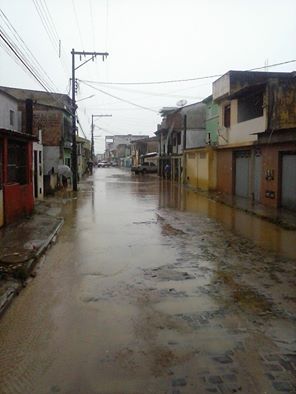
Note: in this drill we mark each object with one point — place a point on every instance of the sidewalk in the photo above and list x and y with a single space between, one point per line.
21 244
281 217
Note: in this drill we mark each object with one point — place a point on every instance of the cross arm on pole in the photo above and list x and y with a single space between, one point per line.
93 55
105 54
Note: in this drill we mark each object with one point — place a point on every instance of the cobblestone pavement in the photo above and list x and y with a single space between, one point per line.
150 289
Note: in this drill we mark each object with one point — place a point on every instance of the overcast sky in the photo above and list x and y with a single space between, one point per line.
148 40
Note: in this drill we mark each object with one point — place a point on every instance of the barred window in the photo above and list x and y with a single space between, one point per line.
17 163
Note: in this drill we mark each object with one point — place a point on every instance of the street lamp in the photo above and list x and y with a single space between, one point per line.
92 132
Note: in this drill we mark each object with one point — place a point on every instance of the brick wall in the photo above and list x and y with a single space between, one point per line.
271 172
51 123
49 120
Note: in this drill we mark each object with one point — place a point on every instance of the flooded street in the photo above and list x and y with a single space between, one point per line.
151 288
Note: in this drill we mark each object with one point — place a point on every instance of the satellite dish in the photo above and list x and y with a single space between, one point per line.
181 103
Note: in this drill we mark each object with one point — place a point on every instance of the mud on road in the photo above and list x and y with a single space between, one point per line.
150 290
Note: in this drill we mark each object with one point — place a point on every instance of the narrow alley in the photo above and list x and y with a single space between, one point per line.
152 288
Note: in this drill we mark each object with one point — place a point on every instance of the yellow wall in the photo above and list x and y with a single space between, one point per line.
191 169
201 168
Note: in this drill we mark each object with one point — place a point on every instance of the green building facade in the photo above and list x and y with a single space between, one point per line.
212 120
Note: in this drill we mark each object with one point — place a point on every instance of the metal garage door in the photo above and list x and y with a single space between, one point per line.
289 181
242 164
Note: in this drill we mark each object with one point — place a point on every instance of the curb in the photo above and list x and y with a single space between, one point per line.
15 286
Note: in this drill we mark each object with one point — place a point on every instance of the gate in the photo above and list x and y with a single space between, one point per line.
242 165
289 180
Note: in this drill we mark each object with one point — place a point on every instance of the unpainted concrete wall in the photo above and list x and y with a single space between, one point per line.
51 158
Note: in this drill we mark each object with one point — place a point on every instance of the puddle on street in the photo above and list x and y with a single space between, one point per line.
151 288
262 232
187 305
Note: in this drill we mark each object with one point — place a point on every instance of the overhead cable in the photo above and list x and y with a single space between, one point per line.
45 25
49 27
187 79
118 98
27 52
80 125
77 23
151 93
13 50
92 23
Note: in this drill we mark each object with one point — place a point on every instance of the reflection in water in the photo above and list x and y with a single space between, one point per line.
262 232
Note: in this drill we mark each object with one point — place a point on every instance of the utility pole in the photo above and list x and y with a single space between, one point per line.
92 133
91 55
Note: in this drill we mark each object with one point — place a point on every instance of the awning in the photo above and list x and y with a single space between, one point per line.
17 135
151 154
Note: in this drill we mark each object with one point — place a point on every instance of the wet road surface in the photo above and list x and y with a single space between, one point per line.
154 289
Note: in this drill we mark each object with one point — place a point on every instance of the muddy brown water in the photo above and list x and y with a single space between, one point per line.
151 288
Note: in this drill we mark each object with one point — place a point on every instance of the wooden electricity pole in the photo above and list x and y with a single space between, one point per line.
92 133
91 56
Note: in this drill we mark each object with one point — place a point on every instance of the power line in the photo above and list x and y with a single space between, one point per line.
80 125
21 44
77 22
272 65
187 79
151 93
50 29
92 23
107 24
14 51
45 25
5 39
51 21
54 29
118 98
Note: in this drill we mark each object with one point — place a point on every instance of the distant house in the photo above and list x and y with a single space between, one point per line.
118 148
256 157
169 134
181 130
52 116
145 149
200 157
16 153
83 155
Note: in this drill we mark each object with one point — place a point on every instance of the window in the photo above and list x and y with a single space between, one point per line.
11 118
226 116
250 107
17 163
67 129
40 163
179 138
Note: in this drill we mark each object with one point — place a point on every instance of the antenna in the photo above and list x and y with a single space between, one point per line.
181 103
